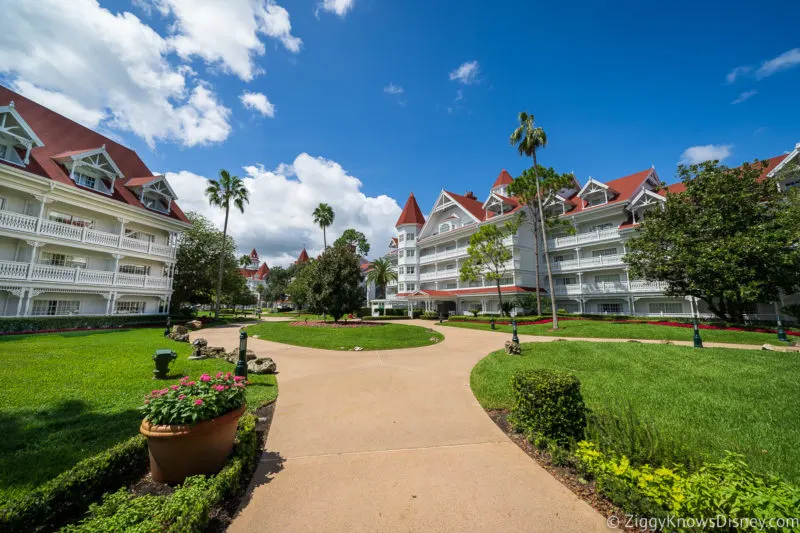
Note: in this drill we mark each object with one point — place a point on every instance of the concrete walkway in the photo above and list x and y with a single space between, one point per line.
394 441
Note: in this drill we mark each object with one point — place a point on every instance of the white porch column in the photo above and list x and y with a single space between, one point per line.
580 281
122 223
107 296
116 257
112 303
34 245
580 304
22 294
29 303
632 305
43 200
578 256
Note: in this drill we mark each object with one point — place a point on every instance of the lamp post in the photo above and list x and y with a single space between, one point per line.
241 364
514 336
169 326
698 342
781 332
492 322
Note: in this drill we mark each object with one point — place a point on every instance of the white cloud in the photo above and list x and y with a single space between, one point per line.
339 7
785 61
227 33
279 230
258 102
393 89
745 96
736 73
106 69
466 73
708 152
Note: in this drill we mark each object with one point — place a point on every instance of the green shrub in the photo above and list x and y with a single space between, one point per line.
550 403
187 509
364 312
387 317
430 315
70 493
417 313
48 323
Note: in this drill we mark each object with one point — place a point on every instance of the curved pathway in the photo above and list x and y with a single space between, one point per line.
394 441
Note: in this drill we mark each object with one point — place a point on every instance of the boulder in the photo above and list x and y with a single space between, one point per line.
213 351
774 348
177 329
179 337
197 347
194 325
233 356
262 365
513 348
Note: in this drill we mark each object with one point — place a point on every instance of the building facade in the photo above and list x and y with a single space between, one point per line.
255 272
85 226
589 273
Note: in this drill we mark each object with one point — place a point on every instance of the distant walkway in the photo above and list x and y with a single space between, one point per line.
395 441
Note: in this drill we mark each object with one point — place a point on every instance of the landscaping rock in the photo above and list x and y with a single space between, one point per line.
262 365
179 337
434 339
197 352
194 325
233 356
513 348
773 348
179 330
358 349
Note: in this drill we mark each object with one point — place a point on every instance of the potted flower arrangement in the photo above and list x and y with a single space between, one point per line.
190 427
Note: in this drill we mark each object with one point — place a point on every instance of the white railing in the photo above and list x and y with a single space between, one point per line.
612 287
13 270
79 276
580 238
69 232
588 262
647 286
54 273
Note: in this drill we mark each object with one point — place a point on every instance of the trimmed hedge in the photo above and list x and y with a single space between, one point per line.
32 324
188 508
548 403
388 317
69 494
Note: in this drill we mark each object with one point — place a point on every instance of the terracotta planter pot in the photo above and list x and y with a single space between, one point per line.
179 451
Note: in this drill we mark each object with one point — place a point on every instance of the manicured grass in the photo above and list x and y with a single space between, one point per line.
710 400
380 337
68 396
620 330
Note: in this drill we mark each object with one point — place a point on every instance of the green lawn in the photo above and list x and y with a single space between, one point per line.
380 337
68 396
709 400
619 330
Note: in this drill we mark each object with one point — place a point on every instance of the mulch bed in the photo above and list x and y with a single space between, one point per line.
567 475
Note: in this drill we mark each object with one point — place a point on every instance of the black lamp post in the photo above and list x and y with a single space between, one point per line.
441 318
169 325
241 364
781 332
492 322
514 336
698 342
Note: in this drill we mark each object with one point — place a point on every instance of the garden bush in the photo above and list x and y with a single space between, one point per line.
388 317
430 315
549 403
188 508
364 312
69 494
49 323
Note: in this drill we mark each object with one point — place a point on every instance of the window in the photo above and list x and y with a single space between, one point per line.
401 270
410 236
72 220
139 235
155 201
506 281
444 226
401 287
604 252
560 258
129 308
601 227
9 153
401 253
569 307
560 282
606 278
451 285
84 180
750 309
597 200
410 270
401 237
64 260
2 203
56 307
411 253
666 307
410 286
610 308
142 270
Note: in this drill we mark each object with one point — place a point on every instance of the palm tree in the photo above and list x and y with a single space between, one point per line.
244 260
528 138
323 217
381 273
221 192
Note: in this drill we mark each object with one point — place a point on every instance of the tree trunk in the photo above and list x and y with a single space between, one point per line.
324 239
499 297
222 258
544 243
536 249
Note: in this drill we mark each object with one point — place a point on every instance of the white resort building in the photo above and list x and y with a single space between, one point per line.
85 226
589 274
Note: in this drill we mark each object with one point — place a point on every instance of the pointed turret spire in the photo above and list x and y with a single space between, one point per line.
303 257
503 179
411 214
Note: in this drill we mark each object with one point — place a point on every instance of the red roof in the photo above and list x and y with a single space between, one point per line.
138 182
251 273
772 162
303 257
411 213
61 136
623 187
70 153
503 179
472 206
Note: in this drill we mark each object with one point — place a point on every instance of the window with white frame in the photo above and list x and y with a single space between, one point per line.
444 226
604 252
56 307
606 278
410 253
72 220
142 270
401 237
410 236
410 270
410 286
9 153
401 253
666 307
63 260
85 180
601 227
610 308
451 285
139 235
129 308
401 287
595 200
401 270
561 282
561 257
506 281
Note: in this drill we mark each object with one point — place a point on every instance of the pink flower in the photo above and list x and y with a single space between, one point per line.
190 384
198 402
205 378
146 402
219 388
175 387
238 378
219 375
182 396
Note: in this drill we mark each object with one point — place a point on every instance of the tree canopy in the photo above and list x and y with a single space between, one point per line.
488 256
277 283
330 284
728 240
354 238
323 217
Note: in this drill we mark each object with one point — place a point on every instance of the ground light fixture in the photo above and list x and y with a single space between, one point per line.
781 332
698 342
514 336
162 359
241 364
492 322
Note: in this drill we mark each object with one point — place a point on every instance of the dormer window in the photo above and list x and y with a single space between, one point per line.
15 137
595 193
154 192
93 169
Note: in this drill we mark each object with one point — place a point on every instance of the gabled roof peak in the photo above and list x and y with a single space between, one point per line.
411 214
303 258
504 178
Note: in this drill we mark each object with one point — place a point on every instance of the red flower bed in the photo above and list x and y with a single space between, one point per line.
710 326
321 324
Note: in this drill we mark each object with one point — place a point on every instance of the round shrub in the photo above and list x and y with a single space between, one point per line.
549 403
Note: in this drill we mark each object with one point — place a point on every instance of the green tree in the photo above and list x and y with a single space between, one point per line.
221 193
244 260
524 188
354 238
298 288
323 217
274 290
528 138
194 267
381 272
488 255
334 282
727 240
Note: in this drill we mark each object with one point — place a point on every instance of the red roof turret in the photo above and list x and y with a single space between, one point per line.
503 179
411 214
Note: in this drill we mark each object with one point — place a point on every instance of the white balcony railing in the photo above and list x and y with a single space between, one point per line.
612 287
68 232
587 262
581 238
80 276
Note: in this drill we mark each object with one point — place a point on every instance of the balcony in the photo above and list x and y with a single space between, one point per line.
583 238
612 287
12 270
587 263
439 274
444 254
48 228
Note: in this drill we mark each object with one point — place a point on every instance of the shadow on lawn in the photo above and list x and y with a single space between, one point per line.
38 445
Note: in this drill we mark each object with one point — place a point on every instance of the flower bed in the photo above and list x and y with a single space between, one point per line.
708 326
338 325
192 401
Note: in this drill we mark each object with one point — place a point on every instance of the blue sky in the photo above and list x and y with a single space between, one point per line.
618 86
